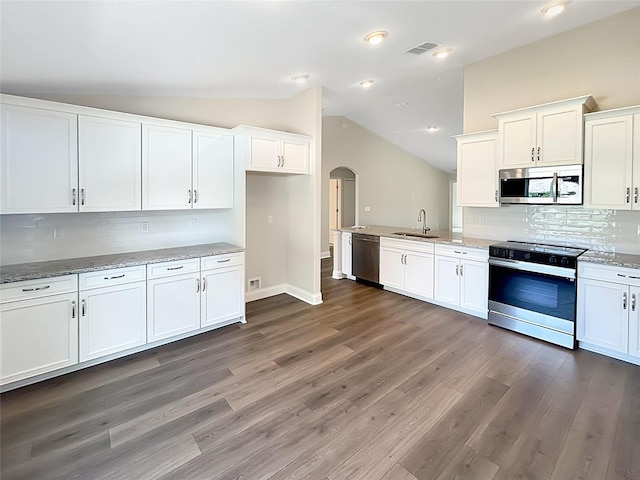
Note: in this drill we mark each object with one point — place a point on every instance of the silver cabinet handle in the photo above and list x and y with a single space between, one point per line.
278 160
73 309
633 302
197 285
73 196
496 197
224 261
624 301
114 277
461 271
350 240
82 196
175 268
35 289
621 275
283 160
459 253
635 195
189 196
633 277
533 149
457 269
628 194
538 153
195 196
83 307
204 283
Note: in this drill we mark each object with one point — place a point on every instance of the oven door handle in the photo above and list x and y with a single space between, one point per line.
534 267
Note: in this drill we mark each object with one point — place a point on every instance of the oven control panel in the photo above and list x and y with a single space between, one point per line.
536 254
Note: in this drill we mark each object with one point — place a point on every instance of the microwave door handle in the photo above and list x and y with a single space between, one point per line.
554 187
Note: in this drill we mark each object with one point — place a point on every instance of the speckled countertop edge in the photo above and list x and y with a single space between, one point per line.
446 238
626 260
55 268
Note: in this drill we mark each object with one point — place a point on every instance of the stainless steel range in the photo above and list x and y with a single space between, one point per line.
532 290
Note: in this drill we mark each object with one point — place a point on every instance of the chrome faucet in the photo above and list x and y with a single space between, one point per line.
422 217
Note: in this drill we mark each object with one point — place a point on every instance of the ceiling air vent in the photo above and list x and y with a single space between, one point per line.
423 47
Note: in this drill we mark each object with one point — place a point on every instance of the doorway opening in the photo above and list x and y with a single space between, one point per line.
342 199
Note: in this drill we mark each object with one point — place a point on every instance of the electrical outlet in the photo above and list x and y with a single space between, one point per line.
270 219
58 232
145 227
254 283
193 224
480 220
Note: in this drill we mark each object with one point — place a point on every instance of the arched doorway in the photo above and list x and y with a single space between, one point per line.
342 199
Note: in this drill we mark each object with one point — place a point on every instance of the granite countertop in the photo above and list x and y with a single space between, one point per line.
446 238
627 260
55 268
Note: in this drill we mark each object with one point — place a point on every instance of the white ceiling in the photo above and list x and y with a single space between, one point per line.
251 49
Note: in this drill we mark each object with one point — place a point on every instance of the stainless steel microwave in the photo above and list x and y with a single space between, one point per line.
542 185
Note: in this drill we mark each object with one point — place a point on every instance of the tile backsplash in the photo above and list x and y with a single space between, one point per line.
596 229
30 238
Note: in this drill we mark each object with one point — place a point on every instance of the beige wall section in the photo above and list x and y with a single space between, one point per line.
394 183
601 59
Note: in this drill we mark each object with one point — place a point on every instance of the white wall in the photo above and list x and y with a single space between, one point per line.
601 59
394 183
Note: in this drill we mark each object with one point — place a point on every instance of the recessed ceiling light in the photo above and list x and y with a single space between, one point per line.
374 38
432 128
300 78
366 83
553 9
442 53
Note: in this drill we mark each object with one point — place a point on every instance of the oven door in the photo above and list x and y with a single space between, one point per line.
538 294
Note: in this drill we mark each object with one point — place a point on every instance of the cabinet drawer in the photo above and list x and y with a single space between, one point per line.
414 245
217 261
463 252
628 276
177 267
10 292
114 276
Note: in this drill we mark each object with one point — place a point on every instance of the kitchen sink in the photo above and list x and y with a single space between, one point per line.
416 235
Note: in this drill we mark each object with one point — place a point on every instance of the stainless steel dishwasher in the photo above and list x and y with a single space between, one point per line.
366 257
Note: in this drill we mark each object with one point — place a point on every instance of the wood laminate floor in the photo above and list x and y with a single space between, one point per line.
369 385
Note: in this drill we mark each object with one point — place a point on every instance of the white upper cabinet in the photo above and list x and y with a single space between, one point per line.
273 151
477 169
612 159
185 169
109 164
39 165
166 167
544 135
212 170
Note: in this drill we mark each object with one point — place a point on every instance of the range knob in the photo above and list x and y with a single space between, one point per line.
527 256
553 260
564 261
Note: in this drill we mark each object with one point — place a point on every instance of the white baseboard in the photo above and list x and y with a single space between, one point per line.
326 254
300 294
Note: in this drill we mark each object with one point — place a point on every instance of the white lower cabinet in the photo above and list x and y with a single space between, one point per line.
608 312
173 299
407 265
112 314
347 258
462 278
222 296
38 332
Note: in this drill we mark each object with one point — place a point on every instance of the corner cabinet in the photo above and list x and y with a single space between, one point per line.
273 151
549 134
608 310
612 159
477 176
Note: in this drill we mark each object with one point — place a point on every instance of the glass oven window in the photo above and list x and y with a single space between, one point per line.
549 295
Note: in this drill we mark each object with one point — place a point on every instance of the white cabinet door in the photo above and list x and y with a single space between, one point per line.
517 141
38 336
634 321
112 319
39 164
447 287
559 136
295 156
418 274
346 253
109 162
602 315
212 170
636 162
392 267
166 168
264 153
173 306
474 282
477 170
608 162
222 296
